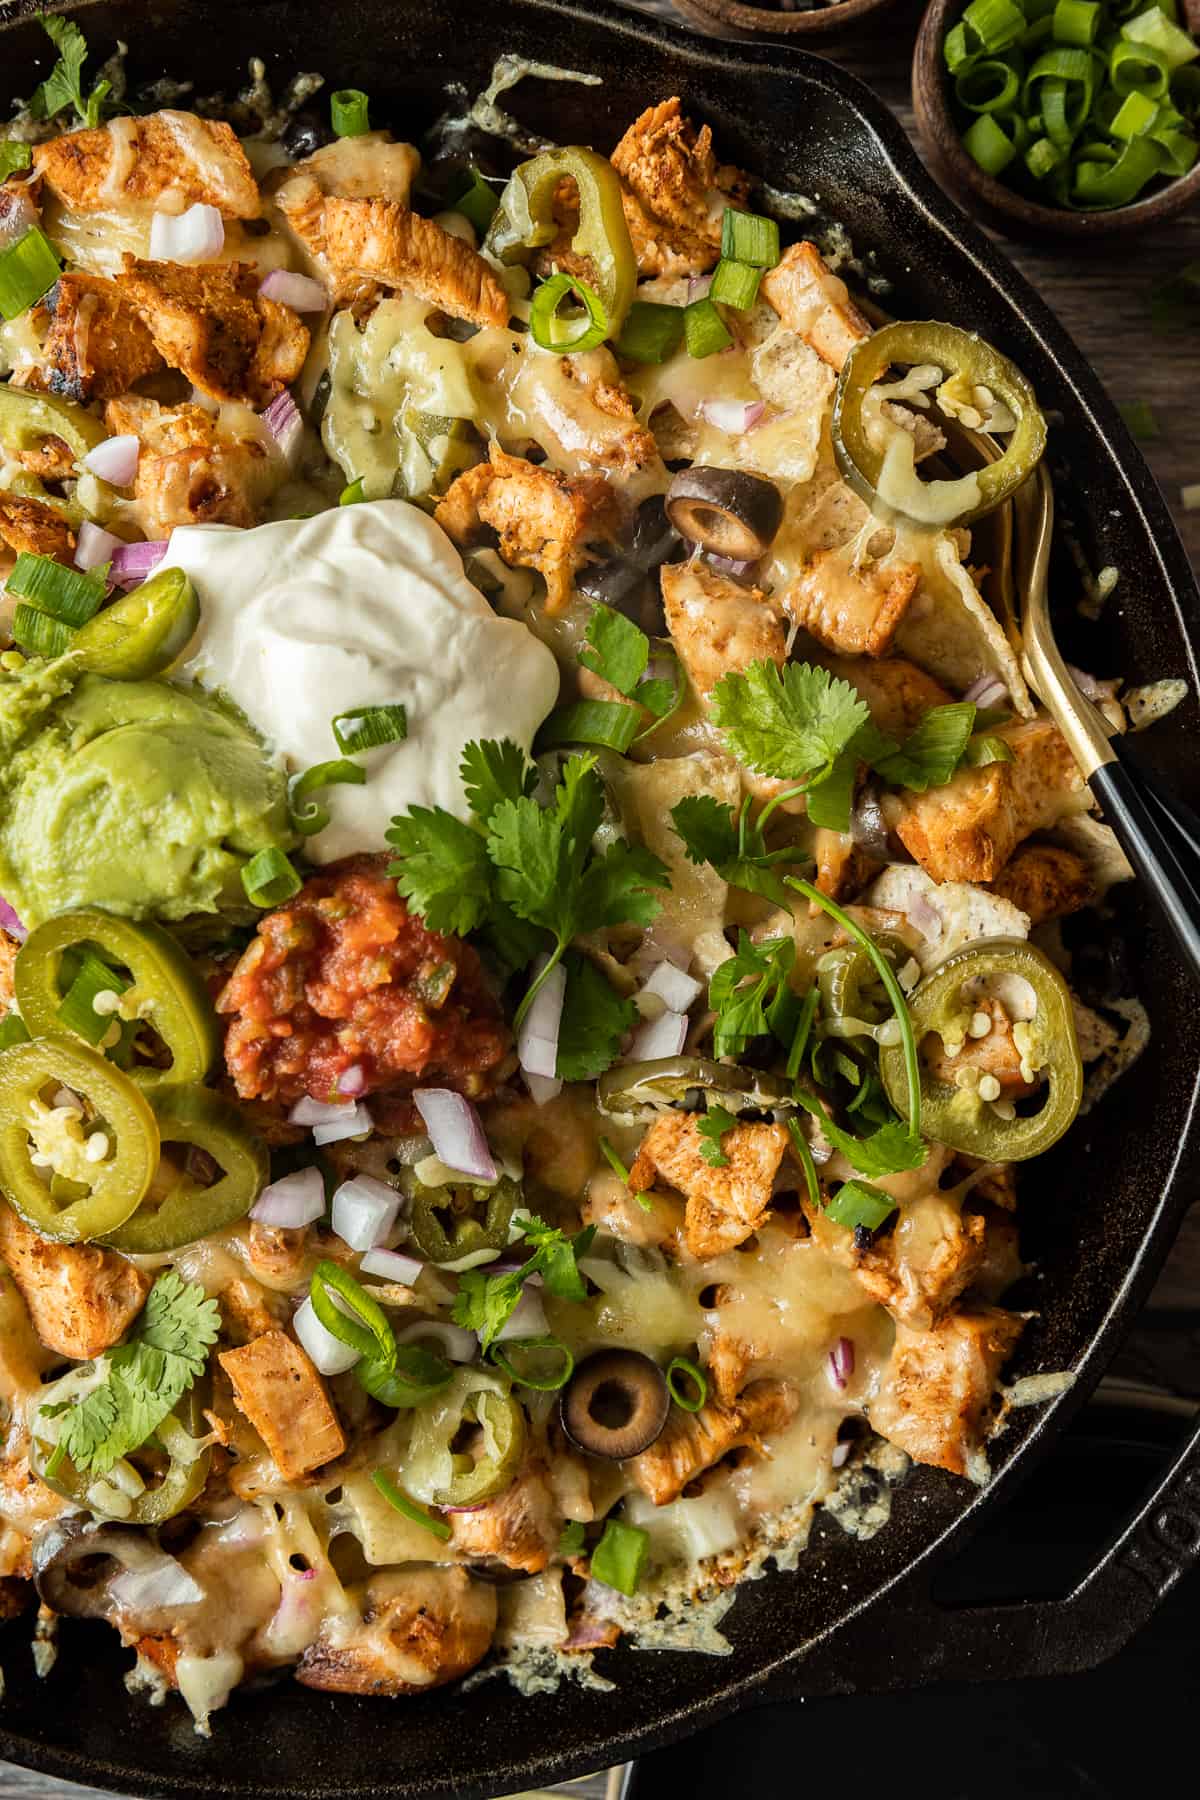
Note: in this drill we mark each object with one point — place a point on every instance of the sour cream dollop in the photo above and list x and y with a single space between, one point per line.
363 605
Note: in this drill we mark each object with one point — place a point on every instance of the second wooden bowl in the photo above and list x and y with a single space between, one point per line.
815 22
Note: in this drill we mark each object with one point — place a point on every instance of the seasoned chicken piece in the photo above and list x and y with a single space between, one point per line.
362 244
843 867
612 1208
693 1442
897 692
519 1528
582 414
545 520
675 191
814 303
856 611
1046 881
724 1205
33 526
368 167
421 1627
8 956
166 161
968 829
938 1385
81 1300
194 469
97 345
277 1253
920 1268
995 1054
716 625
285 1400
249 1311
212 323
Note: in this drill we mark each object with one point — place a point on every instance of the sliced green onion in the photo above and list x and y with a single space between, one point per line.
351 495
12 1032
1185 90
1076 22
307 817
1177 151
1042 157
476 201
614 1162
957 49
77 1012
652 333
804 1157
397 1498
996 23
987 87
704 329
367 1331
28 269
13 156
682 1375
65 594
1116 184
983 749
369 726
1154 29
572 1539
526 1372
609 723
1140 419
1138 68
620 1556
804 1025
749 238
735 284
40 635
986 143
569 336
349 112
1135 115
857 1203
406 1375
269 879
1040 32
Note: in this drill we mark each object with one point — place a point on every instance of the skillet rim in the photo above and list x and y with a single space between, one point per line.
1032 321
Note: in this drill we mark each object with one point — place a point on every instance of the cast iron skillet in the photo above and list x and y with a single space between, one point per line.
1098 1215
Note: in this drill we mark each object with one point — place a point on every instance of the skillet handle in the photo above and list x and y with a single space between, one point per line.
1160 836
905 1638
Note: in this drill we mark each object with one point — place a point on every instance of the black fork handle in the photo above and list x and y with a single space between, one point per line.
1161 837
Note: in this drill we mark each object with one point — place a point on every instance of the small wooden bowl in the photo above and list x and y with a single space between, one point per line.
818 21
984 195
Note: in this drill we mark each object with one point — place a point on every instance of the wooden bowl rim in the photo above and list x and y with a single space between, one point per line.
817 21
935 122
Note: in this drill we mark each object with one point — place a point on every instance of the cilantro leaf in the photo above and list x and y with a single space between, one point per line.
443 869
63 86
744 991
929 756
790 723
734 846
712 1127
493 770
594 1020
831 795
983 748
557 1257
887 1151
144 1380
13 156
485 1303
619 652
660 696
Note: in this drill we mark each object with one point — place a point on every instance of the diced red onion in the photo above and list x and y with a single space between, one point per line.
543 1088
115 460
660 944
17 213
156 1584
591 1634
841 1362
11 923
537 1045
300 292
282 419
986 690
925 918
698 287
352 1082
458 1137
478 1507
133 562
292 1202
527 1319
358 1124
95 546
737 571
328 1353
391 1265
460 1345
733 416
841 1455
659 1037
194 236
364 1211
673 987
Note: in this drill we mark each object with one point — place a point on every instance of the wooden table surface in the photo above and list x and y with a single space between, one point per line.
1102 295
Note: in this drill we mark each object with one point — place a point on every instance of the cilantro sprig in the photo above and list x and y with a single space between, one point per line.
485 1303
620 655
751 994
145 1378
63 86
734 844
712 1126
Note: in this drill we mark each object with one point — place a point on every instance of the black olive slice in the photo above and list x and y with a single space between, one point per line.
615 1405
727 511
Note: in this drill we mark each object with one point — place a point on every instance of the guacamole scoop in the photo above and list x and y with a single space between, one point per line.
140 797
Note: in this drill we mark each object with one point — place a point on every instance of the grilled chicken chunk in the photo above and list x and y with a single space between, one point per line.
724 1205
545 520
675 191
212 324
286 1401
995 1054
938 1385
166 161
855 611
1047 881
693 1442
33 526
8 956
421 1627
194 468
519 1528
897 692
97 345
812 301
82 1300
716 625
